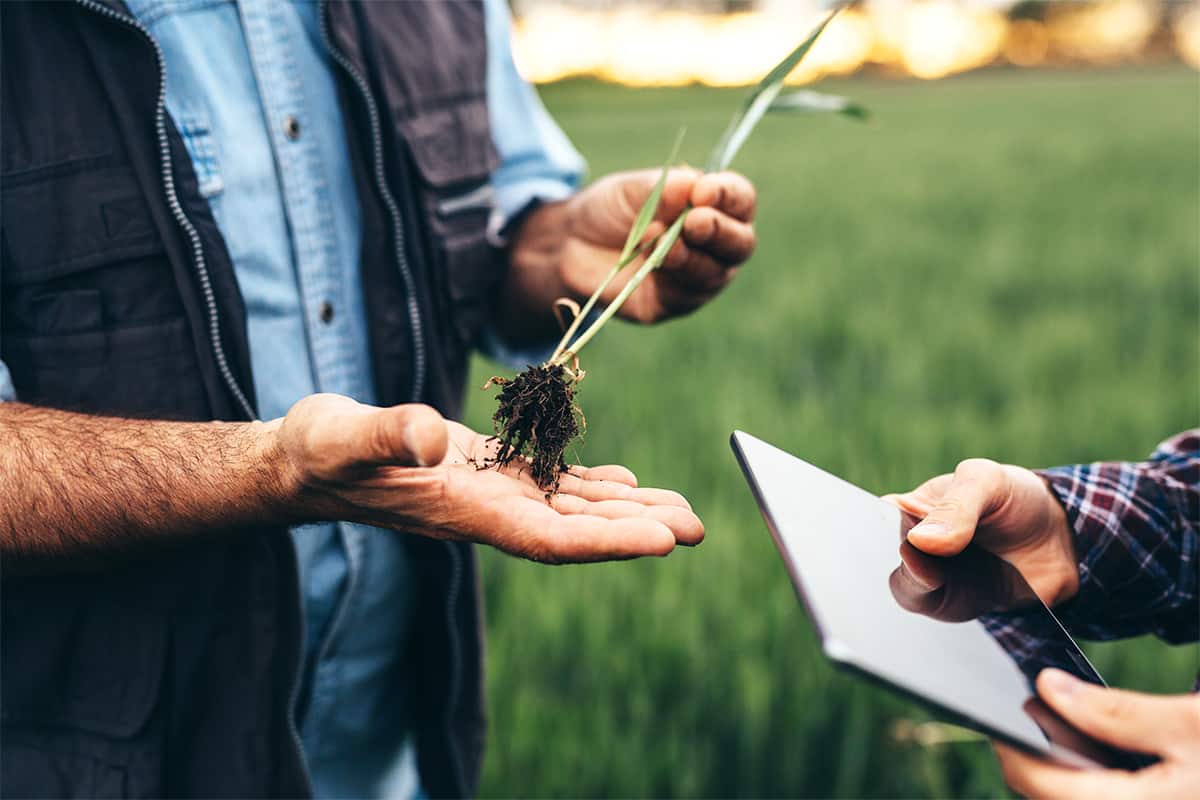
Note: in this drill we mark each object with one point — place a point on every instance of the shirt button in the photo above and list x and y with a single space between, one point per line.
291 127
326 312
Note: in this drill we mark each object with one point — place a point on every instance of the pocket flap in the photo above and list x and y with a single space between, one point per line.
54 226
452 144
79 653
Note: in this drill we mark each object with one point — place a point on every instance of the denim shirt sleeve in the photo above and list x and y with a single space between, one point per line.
6 387
537 161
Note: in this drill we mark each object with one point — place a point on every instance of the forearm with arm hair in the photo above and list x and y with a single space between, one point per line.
77 487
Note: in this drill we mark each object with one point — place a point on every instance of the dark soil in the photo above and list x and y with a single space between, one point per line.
536 418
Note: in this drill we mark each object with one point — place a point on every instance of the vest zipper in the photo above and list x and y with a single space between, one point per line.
455 663
410 284
214 320
414 316
168 176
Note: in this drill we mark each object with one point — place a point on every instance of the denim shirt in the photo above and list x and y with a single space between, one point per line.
254 95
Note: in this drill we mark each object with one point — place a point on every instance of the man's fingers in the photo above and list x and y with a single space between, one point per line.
684 525
727 191
579 538
1131 720
606 472
412 435
920 501
909 503
611 490
725 237
1030 776
978 486
676 191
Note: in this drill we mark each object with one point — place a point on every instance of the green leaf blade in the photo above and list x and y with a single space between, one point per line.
805 100
756 106
650 207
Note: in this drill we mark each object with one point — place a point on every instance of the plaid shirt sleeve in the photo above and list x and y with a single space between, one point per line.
1137 528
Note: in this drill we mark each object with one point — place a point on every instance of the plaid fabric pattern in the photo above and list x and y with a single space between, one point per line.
1137 528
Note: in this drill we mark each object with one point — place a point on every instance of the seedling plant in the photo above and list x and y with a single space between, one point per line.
537 417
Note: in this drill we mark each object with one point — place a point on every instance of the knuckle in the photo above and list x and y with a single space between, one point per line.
949 507
441 491
379 440
1115 705
977 468
715 229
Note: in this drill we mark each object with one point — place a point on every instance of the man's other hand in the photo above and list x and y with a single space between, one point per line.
718 237
1005 509
408 469
1164 726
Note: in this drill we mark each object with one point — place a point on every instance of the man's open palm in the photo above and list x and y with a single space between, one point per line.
407 469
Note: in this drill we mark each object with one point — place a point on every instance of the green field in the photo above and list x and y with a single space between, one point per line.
1005 264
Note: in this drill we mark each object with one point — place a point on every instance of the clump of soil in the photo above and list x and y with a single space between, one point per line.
536 418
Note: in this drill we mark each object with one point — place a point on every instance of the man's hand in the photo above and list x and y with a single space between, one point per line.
78 490
568 248
408 469
717 237
1168 727
1005 509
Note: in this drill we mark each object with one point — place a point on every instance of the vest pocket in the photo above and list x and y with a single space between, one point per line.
140 370
468 269
452 151
472 272
80 652
84 657
49 774
90 315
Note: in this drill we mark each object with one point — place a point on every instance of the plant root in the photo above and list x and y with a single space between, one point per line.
536 418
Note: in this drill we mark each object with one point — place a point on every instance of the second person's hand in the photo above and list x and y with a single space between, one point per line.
1166 726
1005 509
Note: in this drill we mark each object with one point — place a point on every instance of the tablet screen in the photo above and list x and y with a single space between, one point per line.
965 634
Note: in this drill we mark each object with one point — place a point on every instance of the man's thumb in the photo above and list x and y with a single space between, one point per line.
950 525
410 435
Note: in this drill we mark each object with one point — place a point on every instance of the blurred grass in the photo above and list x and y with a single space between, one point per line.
1003 264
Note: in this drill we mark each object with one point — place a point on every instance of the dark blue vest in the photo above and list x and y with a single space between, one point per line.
171 672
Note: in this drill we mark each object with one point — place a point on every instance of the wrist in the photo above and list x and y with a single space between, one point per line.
1061 542
536 273
281 484
536 246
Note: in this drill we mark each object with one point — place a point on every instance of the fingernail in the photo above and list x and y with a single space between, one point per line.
412 441
934 529
1058 682
923 582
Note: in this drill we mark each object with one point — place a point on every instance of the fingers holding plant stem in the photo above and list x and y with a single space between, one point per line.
634 246
582 313
652 262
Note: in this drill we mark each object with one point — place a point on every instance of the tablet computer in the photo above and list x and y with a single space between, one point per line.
969 649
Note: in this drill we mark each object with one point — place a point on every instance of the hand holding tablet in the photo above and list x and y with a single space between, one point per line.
1004 509
964 633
